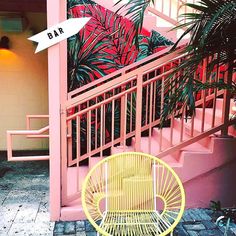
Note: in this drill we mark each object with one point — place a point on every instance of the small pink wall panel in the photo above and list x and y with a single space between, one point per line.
218 184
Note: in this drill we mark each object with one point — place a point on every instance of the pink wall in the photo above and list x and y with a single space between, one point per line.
218 184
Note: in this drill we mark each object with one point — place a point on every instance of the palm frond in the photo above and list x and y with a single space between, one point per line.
212 33
135 10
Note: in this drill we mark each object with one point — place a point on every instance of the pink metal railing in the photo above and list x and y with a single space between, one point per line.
31 134
122 109
118 73
170 10
95 123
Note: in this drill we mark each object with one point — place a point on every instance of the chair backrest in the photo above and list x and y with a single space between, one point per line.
132 182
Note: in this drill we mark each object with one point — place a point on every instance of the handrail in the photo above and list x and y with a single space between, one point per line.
34 117
139 98
124 77
162 15
119 72
171 10
40 133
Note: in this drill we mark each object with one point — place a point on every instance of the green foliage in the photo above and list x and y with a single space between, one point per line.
212 30
85 59
226 212
215 205
148 45
135 10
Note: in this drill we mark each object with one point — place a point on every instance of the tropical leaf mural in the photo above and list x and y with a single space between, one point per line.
152 44
107 43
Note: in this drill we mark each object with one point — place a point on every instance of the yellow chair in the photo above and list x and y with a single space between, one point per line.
133 194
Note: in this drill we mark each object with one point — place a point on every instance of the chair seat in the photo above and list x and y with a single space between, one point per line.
134 223
133 194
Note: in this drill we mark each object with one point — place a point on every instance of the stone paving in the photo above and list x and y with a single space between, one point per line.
195 222
24 190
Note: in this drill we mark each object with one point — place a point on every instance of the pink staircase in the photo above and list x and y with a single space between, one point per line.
191 145
190 162
162 17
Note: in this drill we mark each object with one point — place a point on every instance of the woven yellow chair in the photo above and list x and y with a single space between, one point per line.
133 194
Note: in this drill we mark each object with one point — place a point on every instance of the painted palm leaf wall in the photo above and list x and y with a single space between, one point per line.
107 43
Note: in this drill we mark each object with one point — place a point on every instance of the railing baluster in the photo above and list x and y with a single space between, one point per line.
162 6
146 103
185 11
150 118
162 105
170 7
131 110
125 122
122 103
215 96
89 134
112 123
193 115
172 90
154 101
77 149
182 124
96 126
227 96
204 79
69 141
104 120
101 130
87 128
177 10
138 123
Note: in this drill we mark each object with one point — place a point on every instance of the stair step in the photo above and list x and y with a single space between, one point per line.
176 140
197 127
209 115
94 160
172 162
120 149
219 103
72 213
72 178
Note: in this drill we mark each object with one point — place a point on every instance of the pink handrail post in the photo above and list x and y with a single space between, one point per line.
138 122
122 117
227 96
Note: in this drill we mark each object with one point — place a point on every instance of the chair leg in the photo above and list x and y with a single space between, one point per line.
171 234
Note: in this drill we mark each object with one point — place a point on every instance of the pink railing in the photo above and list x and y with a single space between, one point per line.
118 73
130 104
170 10
28 133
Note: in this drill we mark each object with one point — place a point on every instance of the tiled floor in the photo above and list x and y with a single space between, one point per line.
195 222
24 191
24 194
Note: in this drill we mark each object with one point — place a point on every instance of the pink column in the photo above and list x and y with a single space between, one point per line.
55 14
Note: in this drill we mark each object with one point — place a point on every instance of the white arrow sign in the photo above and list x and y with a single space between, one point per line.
58 32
